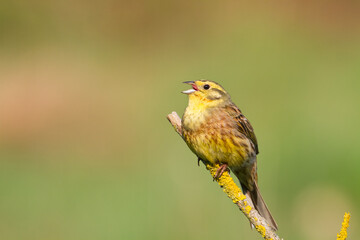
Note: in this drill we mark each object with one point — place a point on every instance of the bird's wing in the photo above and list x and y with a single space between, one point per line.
243 124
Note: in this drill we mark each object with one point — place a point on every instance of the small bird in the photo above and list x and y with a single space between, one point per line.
215 129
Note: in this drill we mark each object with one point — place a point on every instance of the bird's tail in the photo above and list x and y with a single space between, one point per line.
255 199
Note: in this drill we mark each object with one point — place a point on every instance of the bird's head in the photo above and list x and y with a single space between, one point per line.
206 93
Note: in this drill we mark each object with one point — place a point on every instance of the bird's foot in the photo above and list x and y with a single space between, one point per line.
219 172
199 159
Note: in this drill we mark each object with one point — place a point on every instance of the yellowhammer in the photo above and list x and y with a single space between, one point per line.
217 132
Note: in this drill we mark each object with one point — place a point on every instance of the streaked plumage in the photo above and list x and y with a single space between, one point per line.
216 131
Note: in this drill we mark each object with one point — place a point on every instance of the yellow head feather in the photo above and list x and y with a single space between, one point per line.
206 94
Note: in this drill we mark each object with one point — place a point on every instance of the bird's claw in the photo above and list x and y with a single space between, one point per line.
219 172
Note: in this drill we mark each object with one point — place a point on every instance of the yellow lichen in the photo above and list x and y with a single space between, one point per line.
235 193
228 184
247 209
262 230
342 235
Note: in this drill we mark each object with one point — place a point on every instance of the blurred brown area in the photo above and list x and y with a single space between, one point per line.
86 150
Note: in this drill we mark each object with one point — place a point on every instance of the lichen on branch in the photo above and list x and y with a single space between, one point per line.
342 235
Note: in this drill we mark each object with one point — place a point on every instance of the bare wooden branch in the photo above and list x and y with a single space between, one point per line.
175 120
232 191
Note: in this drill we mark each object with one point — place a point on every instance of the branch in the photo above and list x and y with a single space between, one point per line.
232 191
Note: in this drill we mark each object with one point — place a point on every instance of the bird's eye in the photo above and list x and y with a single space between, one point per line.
206 86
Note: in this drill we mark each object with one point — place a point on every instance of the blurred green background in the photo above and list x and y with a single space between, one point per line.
86 151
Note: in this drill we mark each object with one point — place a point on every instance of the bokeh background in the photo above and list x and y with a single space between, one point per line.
86 151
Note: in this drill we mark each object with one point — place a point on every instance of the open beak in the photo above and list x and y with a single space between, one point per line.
194 87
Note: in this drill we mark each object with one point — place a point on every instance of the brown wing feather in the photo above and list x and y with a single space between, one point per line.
243 124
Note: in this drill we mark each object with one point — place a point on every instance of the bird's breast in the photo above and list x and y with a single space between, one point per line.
212 136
